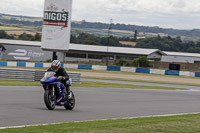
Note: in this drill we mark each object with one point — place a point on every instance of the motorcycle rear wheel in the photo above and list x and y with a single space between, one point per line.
70 102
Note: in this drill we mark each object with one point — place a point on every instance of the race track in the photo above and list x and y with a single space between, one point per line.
25 105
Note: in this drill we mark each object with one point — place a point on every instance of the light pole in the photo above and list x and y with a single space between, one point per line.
108 42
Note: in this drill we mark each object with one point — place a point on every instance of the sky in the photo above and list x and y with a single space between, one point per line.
177 14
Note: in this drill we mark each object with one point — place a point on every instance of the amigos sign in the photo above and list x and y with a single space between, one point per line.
56 25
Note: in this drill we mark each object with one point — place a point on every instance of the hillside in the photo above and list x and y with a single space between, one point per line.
100 29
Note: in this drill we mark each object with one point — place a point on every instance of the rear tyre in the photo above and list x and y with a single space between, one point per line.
49 100
70 102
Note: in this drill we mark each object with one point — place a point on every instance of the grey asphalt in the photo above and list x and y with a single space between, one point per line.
25 105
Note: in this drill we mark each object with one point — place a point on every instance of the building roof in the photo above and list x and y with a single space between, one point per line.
111 49
182 54
90 48
20 42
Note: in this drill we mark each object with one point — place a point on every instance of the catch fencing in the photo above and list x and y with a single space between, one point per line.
31 75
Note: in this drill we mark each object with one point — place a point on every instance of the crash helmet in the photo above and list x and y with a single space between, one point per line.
55 65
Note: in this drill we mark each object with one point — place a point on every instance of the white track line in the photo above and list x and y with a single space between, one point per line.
100 120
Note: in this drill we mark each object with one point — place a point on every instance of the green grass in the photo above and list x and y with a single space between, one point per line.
166 124
86 84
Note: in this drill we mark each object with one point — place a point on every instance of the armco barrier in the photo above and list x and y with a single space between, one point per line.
186 73
171 72
113 68
157 71
197 74
31 75
72 66
142 70
21 64
128 69
3 63
80 66
98 67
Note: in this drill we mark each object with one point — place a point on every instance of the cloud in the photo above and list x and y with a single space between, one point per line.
181 14
168 13
22 7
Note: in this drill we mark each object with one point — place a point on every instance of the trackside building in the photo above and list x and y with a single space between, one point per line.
31 51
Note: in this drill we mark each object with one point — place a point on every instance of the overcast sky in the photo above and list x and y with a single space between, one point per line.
179 14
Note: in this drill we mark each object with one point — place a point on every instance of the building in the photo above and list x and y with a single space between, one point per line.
181 57
31 51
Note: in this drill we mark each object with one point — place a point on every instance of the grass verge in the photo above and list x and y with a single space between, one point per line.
165 124
86 84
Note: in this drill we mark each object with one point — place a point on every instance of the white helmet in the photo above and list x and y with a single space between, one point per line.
55 65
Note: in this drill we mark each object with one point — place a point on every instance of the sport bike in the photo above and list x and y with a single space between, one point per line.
55 92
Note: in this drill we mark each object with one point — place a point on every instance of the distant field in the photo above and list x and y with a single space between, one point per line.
23 18
127 43
99 32
121 31
13 28
19 32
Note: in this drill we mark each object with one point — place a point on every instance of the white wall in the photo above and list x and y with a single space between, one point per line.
179 59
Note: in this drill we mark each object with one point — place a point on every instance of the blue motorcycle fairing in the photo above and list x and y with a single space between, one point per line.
51 79
58 85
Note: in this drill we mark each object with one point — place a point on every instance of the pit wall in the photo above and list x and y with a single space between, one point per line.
106 68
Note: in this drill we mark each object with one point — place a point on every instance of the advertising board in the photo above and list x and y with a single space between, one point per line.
56 25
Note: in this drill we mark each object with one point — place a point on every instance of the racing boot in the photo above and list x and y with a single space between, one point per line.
69 94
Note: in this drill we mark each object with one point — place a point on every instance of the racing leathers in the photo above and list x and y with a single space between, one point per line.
62 74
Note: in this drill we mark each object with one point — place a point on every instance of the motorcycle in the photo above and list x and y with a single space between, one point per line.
55 92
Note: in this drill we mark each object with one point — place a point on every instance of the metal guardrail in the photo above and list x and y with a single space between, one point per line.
31 75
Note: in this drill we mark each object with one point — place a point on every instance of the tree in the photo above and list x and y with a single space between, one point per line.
37 37
3 34
135 36
141 62
121 62
3 48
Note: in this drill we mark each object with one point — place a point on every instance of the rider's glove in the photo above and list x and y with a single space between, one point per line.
60 77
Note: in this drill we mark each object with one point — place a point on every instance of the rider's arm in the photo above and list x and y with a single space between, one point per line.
65 74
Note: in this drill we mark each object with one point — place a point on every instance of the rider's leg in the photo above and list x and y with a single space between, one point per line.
69 95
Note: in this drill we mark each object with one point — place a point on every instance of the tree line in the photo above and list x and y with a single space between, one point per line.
162 43
155 29
21 22
23 36
169 44
98 25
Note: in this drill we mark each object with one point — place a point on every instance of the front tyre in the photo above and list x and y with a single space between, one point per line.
70 102
49 100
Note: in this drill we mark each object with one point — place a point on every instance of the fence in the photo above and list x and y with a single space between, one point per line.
31 75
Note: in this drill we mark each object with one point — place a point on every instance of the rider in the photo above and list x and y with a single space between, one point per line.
61 74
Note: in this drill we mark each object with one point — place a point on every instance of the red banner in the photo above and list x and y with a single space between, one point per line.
53 23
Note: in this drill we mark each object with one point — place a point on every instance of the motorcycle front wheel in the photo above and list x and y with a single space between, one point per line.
49 100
